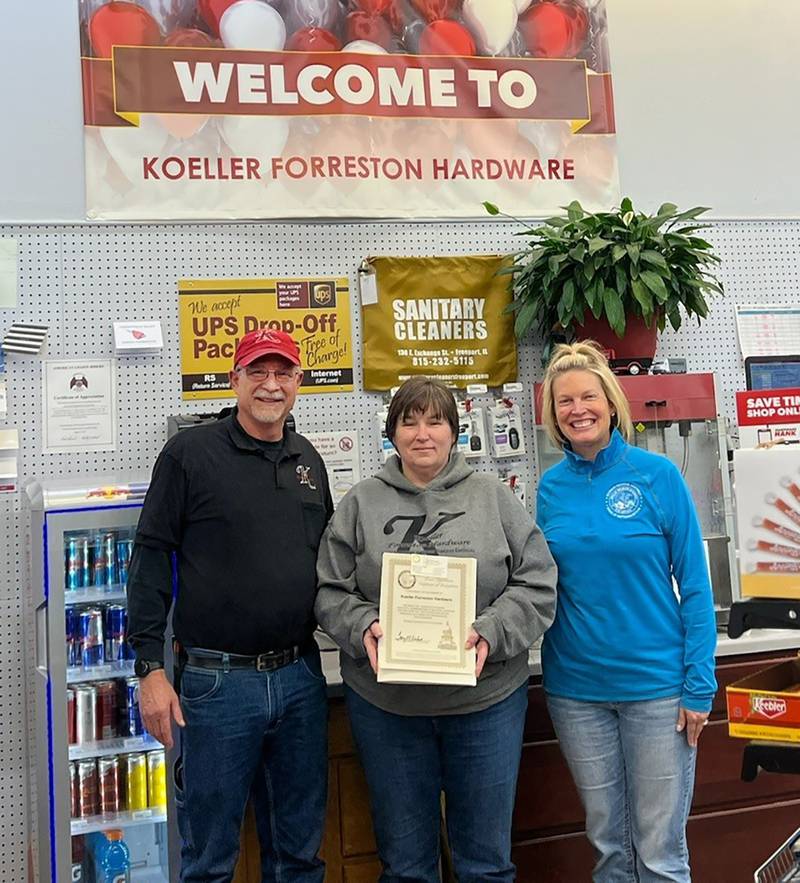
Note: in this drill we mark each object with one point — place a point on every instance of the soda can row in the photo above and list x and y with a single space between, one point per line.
106 786
103 710
96 635
97 560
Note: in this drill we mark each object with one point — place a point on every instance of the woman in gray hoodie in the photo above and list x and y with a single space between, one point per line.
416 741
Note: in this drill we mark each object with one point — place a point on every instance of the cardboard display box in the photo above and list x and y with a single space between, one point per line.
766 705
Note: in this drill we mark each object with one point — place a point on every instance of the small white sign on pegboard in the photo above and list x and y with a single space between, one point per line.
134 338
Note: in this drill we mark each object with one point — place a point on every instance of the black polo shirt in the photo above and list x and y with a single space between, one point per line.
245 527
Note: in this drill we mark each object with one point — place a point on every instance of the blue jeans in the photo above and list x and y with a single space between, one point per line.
408 761
265 731
635 776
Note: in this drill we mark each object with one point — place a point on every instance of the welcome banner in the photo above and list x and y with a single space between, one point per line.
359 108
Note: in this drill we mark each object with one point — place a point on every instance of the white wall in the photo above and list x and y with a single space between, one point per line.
41 112
706 97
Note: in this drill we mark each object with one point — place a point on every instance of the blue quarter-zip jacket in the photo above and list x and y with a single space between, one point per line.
620 528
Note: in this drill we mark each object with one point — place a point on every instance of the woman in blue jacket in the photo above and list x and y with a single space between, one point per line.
628 664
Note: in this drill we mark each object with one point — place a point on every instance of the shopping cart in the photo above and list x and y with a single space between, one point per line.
783 866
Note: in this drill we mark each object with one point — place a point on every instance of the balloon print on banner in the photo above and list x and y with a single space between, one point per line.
365 47
459 103
312 14
372 28
492 21
314 40
554 30
446 37
252 24
122 24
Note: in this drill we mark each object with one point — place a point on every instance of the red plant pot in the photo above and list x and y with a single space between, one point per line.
638 341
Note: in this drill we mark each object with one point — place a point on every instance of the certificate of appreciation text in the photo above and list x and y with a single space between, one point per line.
426 610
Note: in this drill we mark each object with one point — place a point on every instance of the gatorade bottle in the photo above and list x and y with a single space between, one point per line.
112 859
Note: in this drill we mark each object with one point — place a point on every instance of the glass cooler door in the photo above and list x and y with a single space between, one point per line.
101 777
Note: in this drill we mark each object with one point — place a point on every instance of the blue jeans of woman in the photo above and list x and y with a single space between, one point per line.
265 731
635 776
408 761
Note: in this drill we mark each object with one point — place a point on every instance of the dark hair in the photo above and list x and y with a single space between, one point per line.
418 395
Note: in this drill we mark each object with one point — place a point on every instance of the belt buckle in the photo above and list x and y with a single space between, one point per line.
264 662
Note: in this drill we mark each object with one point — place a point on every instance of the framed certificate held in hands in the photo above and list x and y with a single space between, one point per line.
426 610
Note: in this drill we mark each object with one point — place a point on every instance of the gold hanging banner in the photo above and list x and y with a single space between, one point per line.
441 316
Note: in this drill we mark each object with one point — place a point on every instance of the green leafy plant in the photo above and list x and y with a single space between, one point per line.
613 264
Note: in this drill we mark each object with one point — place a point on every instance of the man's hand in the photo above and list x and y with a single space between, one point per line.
370 639
158 705
481 650
693 722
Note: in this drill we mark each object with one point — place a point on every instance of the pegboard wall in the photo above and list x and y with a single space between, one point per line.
79 279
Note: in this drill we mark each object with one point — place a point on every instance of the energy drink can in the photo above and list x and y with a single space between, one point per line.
131 717
76 561
157 779
124 550
91 631
135 782
72 629
98 561
104 561
88 789
74 803
70 716
110 554
108 775
116 633
85 714
107 711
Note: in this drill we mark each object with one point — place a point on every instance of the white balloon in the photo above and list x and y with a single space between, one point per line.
522 5
251 24
127 145
492 23
550 137
261 137
366 47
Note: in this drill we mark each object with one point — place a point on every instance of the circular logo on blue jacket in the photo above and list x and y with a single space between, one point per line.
624 500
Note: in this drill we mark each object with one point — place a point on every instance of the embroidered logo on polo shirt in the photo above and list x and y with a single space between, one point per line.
304 477
624 500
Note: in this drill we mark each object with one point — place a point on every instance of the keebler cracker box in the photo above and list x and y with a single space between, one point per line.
766 705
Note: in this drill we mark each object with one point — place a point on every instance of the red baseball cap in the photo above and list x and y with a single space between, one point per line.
265 342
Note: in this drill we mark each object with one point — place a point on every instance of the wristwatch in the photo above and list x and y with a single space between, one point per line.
143 667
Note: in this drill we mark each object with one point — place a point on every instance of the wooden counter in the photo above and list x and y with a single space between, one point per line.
733 828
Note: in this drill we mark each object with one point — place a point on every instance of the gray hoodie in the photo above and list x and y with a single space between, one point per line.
460 513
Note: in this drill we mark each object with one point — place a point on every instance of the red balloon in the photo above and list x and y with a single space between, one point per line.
190 38
362 26
431 10
120 23
211 12
374 7
400 13
314 40
446 37
554 30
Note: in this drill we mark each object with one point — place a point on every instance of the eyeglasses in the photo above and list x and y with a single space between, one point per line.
259 374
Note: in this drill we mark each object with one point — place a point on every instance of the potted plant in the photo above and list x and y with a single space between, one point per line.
616 276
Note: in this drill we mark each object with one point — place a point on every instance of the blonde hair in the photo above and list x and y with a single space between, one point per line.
585 355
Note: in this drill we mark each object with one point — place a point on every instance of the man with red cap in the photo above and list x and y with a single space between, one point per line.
239 505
